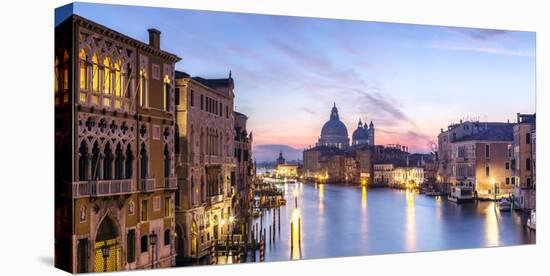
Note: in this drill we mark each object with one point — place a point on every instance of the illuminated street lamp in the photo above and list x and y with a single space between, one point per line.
153 241
105 253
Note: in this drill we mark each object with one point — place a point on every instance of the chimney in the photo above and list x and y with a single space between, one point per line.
154 38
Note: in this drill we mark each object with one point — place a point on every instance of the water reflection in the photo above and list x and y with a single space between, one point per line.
364 198
337 220
491 225
410 233
321 196
295 240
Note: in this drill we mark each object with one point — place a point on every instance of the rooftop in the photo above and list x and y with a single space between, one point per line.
499 132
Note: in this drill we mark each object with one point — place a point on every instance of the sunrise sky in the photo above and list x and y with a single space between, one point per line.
410 80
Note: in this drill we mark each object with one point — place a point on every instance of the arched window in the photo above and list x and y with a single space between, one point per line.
107 81
118 162
83 69
166 161
167 237
118 85
144 161
129 162
144 243
95 79
142 88
108 162
167 93
83 162
56 80
95 161
125 81
95 73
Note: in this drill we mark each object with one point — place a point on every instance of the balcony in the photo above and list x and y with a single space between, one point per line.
170 183
216 199
147 185
103 187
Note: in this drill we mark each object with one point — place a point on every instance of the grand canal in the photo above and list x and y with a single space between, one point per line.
341 220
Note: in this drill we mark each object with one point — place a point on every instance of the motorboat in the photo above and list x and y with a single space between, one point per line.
532 220
460 194
504 205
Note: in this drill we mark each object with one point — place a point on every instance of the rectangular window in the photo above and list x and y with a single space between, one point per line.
528 138
144 210
167 97
507 165
131 246
202 102
507 180
513 180
226 111
220 110
487 171
177 96
156 72
487 151
528 164
192 100
156 203
167 207
528 182
144 244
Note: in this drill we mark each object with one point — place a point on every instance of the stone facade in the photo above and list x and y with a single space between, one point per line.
523 161
119 99
205 162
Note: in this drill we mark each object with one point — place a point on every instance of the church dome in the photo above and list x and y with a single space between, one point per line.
360 133
334 127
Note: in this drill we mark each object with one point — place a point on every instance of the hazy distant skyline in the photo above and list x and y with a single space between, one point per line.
410 80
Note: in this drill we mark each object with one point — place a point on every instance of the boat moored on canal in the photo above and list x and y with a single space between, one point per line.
532 220
460 194
504 205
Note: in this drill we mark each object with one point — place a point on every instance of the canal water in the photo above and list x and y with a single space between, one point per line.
338 221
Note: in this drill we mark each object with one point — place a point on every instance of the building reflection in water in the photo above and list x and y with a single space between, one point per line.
492 235
364 199
321 197
410 233
296 250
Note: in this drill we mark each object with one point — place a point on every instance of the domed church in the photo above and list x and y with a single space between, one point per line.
363 135
334 133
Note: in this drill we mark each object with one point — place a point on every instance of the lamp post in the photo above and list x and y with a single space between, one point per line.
105 253
153 241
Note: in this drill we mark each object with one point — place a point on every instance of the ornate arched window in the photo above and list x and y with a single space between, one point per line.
143 101
95 73
95 161
95 79
144 161
83 162
118 162
117 85
107 81
129 162
108 162
83 71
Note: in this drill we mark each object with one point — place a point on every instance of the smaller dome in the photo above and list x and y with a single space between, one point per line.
360 134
